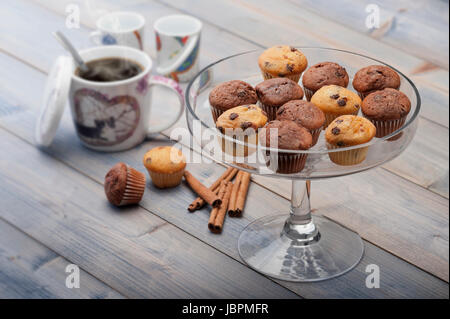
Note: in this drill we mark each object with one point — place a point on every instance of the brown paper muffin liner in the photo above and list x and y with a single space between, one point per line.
386 127
165 180
135 187
351 157
293 77
216 113
308 93
286 163
271 111
315 135
330 117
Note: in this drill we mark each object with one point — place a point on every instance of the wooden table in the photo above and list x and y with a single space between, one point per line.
52 207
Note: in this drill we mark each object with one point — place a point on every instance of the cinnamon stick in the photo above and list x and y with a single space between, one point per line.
218 223
227 176
215 210
209 196
234 191
242 194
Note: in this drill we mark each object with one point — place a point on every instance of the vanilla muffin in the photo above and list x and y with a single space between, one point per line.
346 131
165 165
282 61
241 123
335 101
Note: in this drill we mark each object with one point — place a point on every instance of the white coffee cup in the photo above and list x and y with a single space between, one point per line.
120 28
115 116
177 45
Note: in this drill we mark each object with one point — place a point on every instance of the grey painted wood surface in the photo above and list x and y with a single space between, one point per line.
29 269
260 202
133 251
429 170
17 113
376 223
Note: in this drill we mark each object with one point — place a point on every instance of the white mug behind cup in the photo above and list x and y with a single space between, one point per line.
120 28
114 116
177 45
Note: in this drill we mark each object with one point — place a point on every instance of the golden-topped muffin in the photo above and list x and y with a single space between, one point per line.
335 101
236 124
282 61
345 131
165 165
244 117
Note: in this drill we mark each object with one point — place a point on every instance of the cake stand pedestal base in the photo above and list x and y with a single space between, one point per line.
316 251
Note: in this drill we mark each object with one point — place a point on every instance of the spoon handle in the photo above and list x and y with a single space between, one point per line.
68 46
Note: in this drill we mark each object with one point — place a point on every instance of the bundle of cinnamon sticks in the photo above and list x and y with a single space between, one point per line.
224 195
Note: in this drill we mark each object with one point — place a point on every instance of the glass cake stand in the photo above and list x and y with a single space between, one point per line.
293 245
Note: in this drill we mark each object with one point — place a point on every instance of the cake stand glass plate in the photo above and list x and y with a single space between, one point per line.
293 245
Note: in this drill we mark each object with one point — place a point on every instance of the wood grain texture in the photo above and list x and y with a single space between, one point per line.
260 202
30 270
374 237
131 250
431 175
415 27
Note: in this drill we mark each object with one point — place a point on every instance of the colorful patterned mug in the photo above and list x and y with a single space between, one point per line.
114 116
120 28
177 45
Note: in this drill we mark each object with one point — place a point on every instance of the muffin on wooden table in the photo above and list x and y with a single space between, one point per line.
282 61
305 114
240 123
387 110
165 165
124 185
346 131
288 135
273 93
374 78
230 94
321 74
335 101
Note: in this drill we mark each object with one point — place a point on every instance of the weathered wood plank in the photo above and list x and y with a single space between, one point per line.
133 251
30 270
431 173
260 202
362 226
416 27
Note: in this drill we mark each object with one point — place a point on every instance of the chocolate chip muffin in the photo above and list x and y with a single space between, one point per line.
230 94
282 61
321 74
305 114
335 101
240 123
374 78
124 185
273 93
387 110
288 135
345 131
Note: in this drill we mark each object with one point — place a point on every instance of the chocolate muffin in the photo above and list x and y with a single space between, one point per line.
290 136
305 114
321 74
387 110
124 185
231 94
273 93
374 78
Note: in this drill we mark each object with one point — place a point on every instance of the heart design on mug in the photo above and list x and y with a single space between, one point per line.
103 121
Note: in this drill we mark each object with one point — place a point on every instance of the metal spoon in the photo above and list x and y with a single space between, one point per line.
69 47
